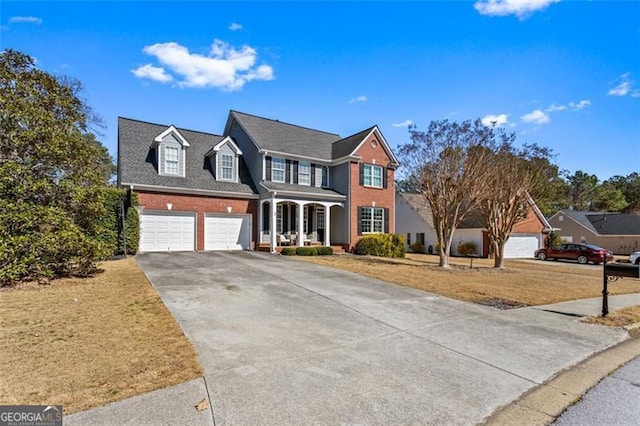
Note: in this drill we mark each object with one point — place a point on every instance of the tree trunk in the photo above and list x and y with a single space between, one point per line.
498 261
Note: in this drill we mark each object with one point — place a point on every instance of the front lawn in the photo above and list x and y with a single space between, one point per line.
85 342
525 282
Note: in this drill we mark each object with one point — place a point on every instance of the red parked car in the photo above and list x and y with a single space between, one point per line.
583 253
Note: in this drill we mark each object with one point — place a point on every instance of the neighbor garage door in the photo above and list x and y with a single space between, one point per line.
164 231
227 232
521 246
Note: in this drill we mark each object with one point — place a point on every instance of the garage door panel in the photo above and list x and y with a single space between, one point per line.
519 246
227 232
162 231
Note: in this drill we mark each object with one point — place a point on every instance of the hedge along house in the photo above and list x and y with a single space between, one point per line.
262 183
415 221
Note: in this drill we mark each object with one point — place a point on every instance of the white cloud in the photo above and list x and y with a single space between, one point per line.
521 8
152 73
625 87
235 26
537 117
555 107
498 120
580 105
571 106
25 20
404 123
359 99
224 67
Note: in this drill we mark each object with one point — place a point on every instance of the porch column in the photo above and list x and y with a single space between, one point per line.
327 225
260 222
272 225
300 224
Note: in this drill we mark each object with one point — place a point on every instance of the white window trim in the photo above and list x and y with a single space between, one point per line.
234 167
372 221
307 174
176 161
283 169
371 168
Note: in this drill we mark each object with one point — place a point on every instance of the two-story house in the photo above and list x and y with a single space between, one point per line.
262 183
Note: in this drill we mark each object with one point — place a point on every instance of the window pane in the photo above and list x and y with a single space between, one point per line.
304 173
367 175
377 176
171 160
378 220
226 163
277 169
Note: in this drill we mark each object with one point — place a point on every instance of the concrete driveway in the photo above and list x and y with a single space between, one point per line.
287 342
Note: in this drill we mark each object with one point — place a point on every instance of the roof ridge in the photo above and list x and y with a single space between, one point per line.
168 125
284 122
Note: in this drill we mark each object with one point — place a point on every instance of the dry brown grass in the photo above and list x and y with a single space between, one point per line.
85 342
526 282
618 318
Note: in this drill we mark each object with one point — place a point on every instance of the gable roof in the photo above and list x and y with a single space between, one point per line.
277 136
473 219
417 202
345 147
137 160
606 223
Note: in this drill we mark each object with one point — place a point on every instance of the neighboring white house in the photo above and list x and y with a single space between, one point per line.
415 222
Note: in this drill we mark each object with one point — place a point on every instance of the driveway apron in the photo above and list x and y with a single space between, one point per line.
283 341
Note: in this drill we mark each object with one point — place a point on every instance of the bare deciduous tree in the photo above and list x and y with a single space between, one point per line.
513 175
448 164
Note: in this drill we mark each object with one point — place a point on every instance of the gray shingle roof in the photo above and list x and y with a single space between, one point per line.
312 191
607 223
347 145
473 219
137 159
273 135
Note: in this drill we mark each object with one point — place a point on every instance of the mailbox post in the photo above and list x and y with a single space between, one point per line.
613 272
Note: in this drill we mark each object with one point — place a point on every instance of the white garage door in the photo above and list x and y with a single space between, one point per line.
163 231
227 232
521 246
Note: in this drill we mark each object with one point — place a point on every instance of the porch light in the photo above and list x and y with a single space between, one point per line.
139 209
169 206
229 208
373 203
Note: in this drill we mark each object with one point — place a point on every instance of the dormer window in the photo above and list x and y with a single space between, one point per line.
171 148
226 166
224 160
171 156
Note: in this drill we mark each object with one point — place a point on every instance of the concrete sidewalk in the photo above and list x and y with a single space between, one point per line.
287 342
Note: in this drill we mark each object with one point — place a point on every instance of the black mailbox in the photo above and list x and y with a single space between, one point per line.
622 270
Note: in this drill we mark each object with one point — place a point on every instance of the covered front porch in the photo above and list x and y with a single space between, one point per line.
295 222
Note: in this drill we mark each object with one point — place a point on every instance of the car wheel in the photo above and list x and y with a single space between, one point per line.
583 260
638 261
542 256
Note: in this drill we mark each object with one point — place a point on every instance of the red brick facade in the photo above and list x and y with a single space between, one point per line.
362 196
200 205
529 225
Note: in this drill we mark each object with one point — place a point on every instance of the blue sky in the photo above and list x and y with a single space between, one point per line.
563 74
